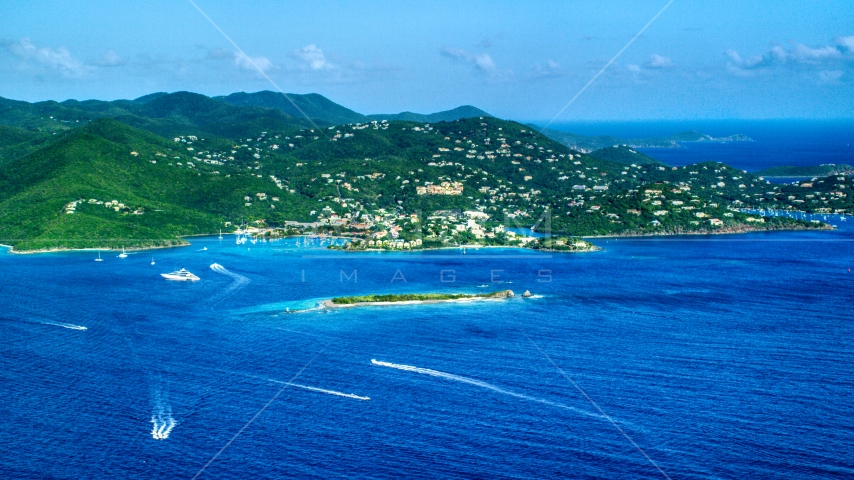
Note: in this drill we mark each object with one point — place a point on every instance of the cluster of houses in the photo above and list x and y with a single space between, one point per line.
444 188
115 205
394 244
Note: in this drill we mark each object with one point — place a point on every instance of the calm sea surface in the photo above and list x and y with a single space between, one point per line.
720 357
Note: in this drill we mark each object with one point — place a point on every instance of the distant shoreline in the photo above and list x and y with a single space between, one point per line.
740 231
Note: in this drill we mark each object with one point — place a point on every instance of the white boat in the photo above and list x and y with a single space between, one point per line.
181 276
99 259
220 234
123 254
152 260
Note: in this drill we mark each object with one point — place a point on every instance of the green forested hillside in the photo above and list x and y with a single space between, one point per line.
459 113
95 164
317 107
105 182
624 155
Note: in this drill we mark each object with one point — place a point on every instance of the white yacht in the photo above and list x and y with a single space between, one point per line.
99 259
181 276
123 254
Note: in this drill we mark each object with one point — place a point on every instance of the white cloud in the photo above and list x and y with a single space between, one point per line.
482 62
455 53
312 57
57 59
750 62
246 62
658 61
830 76
550 69
111 59
845 43
797 55
803 53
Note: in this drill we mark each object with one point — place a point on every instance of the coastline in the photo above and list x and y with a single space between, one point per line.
738 231
94 249
596 248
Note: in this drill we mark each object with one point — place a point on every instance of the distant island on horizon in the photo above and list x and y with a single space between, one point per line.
147 172
588 144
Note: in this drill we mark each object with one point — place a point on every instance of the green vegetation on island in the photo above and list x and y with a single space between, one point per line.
588 144
417 297
146 172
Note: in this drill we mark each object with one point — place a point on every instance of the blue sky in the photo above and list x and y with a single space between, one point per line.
519 60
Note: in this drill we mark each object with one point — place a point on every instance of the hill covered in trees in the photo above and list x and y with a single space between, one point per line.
147 172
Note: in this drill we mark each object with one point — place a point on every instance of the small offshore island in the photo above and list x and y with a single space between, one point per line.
415 299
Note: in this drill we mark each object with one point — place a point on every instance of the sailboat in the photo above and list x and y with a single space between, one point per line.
220 234
99 259
123 254
152 260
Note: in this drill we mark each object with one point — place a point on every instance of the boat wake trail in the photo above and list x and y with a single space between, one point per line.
239 280
297 385
329 392
162 422
69 326
65 325
481 384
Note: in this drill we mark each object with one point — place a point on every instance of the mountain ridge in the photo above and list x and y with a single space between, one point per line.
458 113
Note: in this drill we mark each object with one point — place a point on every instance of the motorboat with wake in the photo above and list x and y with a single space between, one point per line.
181 276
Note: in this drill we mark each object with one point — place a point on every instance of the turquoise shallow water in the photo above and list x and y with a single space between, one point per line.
720 357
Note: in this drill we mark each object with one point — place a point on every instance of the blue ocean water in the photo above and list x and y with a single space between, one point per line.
777 142
720 357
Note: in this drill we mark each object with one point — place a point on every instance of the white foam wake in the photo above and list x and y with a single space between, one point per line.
239 280
478 383
329 392
162 422
297 385
65 325
162 427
